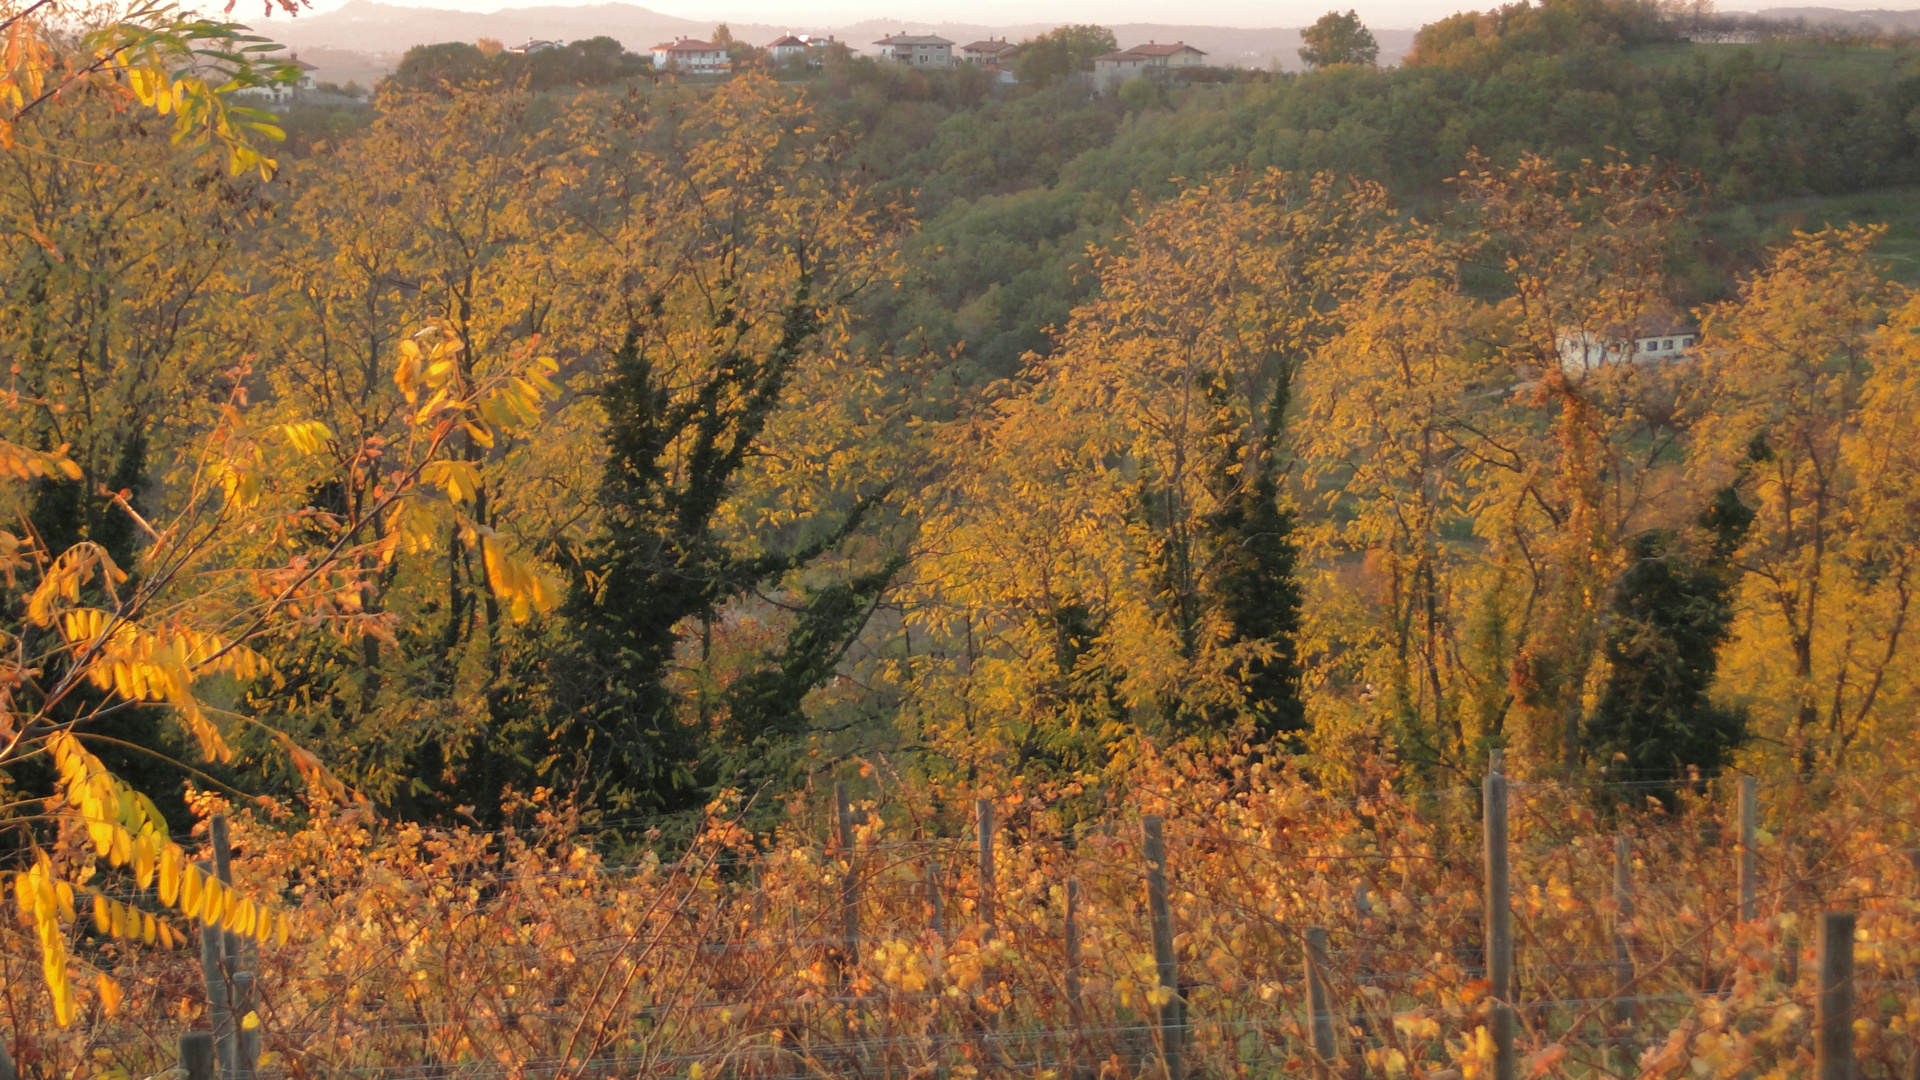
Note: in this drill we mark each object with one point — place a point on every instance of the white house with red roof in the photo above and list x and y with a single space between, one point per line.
785 46
991 53
1178 54
692 57
1150 59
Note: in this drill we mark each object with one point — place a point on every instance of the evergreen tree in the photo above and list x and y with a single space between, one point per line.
604 719
1239 563
1254 582
1672 613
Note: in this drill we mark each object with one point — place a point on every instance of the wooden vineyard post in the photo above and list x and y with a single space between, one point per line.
236 1046
1833 1009
213 975
1913 1067
1623 1006
1071 933
983 835
1319 1003
759 894
196 1055
1499 918
247 1046
849 885
1363 945
1172 1011
1076 1016
1749 810
936 910
226 1052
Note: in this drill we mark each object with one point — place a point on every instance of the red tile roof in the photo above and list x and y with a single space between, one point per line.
1165 50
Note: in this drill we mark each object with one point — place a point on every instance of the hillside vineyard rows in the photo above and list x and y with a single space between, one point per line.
828 569
871 944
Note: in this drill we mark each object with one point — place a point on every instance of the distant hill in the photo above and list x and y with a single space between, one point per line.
363 39
1882 20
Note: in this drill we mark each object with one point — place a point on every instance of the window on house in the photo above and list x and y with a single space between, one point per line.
1688 343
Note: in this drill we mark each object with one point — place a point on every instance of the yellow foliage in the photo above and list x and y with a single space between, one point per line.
23 464
309 436
524 589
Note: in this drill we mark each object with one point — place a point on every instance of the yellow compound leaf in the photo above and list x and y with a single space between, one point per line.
21 463
110 995
103 914
61 990
459 479
309 437
190 880
171 860
143 860
524 589
406 375
63 580
239 914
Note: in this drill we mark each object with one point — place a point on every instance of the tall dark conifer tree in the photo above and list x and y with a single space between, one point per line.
1673 611
606 721
1254 580
1240 563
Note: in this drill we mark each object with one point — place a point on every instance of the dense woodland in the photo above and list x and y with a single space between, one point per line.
627 458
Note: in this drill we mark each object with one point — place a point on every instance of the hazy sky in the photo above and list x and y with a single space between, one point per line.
1401 13
1262 13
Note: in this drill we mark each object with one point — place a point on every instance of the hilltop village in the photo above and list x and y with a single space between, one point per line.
927 51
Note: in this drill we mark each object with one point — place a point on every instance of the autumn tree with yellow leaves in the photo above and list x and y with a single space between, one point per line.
218 566
1113 551
1813 368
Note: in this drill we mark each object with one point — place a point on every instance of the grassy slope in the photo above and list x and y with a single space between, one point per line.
1744 231
1756 226
1863 65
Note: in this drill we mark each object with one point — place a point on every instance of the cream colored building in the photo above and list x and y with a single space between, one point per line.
692 57
1151 59
917 50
